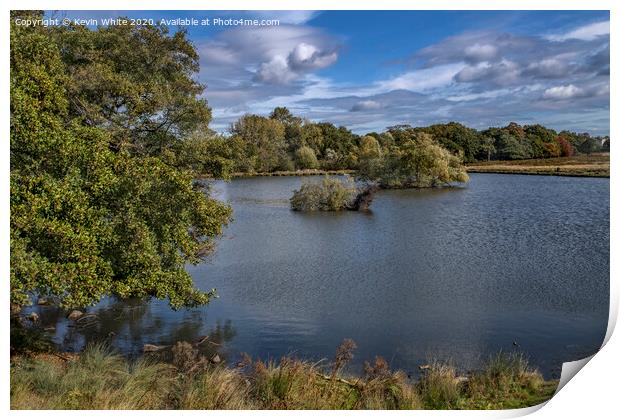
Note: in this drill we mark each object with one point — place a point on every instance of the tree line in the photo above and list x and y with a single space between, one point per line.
285 142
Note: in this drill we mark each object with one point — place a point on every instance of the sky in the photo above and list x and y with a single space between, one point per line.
368 70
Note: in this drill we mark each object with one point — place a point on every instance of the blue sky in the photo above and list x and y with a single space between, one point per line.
371 69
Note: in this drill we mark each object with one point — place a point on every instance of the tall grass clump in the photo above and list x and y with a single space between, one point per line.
98 379
440 386
384 389
507 378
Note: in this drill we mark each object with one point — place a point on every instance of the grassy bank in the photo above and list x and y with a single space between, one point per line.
594 165
100 379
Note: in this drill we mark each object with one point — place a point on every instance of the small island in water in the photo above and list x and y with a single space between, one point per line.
414 161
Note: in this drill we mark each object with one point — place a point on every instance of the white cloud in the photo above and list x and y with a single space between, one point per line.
238 54
491 94
584 33
275 71
504 72
563 92
422 79
303 58
308 57
472 73
549 67
480 52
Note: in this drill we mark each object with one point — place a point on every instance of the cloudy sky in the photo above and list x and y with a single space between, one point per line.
369 70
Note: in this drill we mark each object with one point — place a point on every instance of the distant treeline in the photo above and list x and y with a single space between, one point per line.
285 142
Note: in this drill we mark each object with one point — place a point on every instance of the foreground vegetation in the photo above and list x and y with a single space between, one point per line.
100 379
595 165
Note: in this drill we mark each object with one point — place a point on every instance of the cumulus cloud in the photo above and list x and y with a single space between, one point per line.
480 52
563 92
275 71
264 51
550 68
303 58
308 57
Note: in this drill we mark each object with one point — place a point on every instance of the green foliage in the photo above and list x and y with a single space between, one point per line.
457 138
328 195
418 161
136 81
263 141
510 147
305 158
90 220
589 145
208 153
284 116
312 136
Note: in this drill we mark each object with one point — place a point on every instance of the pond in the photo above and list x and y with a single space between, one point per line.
507 262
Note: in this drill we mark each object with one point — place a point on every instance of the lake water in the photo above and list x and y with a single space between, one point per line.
454 274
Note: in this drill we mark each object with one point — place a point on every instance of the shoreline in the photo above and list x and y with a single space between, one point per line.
583 166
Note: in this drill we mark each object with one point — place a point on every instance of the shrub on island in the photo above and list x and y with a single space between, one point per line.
331 194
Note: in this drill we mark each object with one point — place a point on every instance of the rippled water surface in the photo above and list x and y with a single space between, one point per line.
507 262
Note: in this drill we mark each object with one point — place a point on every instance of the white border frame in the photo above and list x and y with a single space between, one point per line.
593 393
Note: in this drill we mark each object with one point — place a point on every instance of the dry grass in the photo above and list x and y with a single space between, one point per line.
594 165
100 379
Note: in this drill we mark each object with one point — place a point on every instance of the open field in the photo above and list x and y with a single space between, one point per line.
594 165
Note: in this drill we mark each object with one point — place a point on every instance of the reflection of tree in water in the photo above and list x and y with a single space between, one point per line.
117 315
209 344
128 324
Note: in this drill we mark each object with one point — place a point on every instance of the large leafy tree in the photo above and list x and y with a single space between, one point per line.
263 139
135 81
88 220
